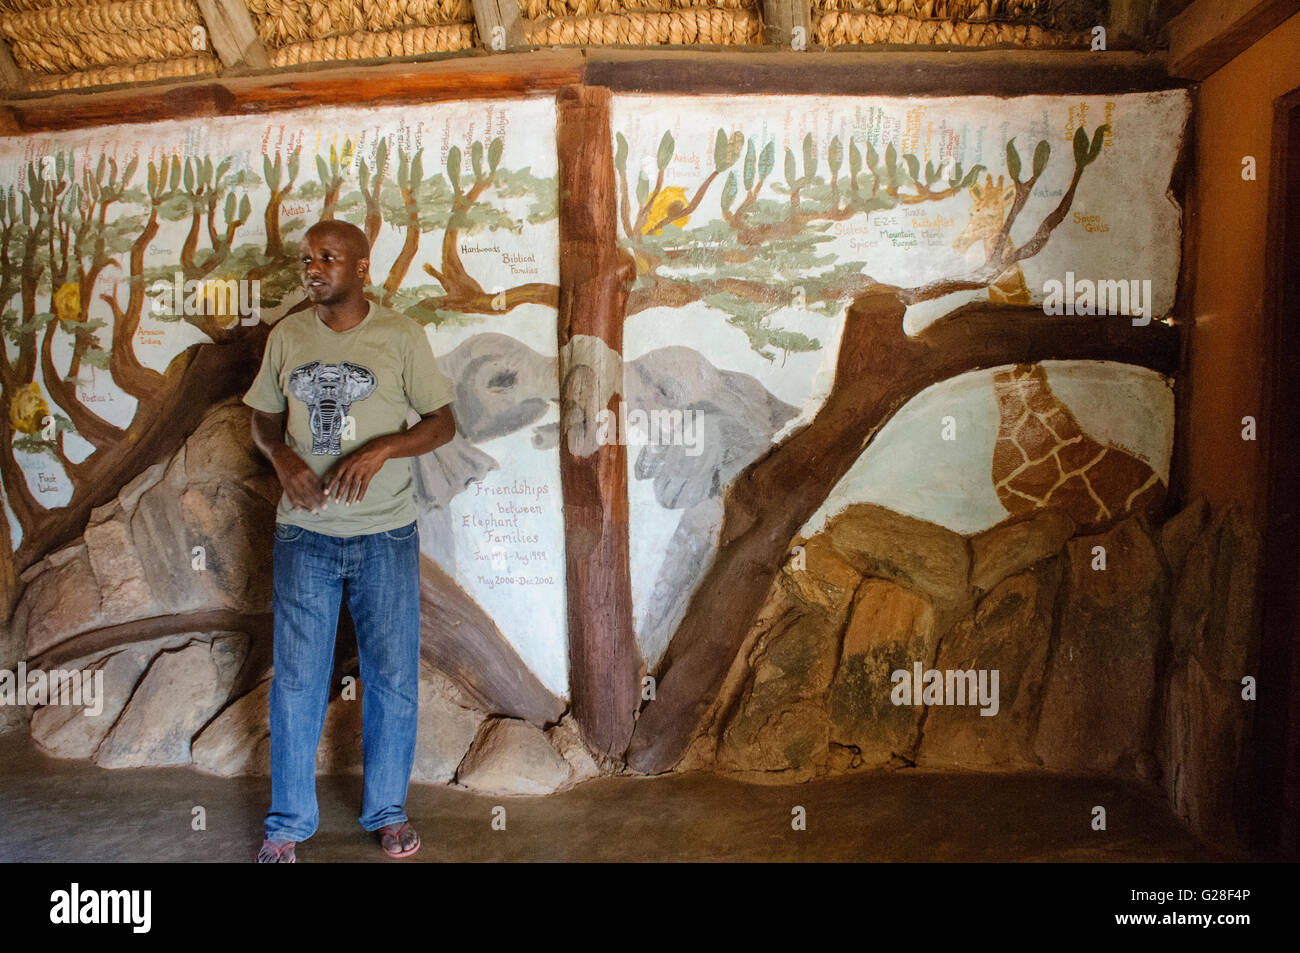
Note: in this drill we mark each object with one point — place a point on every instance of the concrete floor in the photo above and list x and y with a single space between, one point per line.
54 810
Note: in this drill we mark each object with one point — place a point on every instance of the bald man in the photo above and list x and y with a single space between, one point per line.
329 411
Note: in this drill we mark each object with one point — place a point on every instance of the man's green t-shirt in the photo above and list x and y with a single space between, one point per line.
342 389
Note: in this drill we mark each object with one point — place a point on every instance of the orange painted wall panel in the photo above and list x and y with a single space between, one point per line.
1234 118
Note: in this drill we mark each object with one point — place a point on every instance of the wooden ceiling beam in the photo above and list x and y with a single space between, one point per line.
233 35
472 76
500 28
861 72
1209 33
482 75
781 18
11 77
1130 21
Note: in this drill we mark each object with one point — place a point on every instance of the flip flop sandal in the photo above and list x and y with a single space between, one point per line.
393 836
277 852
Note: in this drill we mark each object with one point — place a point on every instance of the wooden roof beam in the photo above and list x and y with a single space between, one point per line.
11 77
500 27
1209 33
233 35
781 21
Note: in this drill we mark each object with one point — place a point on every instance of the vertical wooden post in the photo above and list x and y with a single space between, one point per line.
1276 743
604 662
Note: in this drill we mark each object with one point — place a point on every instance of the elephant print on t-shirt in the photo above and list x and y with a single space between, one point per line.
330 390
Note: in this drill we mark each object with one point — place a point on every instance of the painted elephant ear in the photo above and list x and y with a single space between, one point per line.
302 381
361 381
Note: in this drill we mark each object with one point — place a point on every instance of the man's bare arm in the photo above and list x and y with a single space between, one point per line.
353 473
300 484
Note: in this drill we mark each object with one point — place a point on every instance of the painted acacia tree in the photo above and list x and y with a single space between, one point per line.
73 238
68 241
879 368
447 202
760 236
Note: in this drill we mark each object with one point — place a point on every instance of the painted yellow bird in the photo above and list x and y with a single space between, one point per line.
219 297
657 218
67 302
27 408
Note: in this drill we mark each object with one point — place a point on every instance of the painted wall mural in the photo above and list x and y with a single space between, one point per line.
121 249
752 236
862 325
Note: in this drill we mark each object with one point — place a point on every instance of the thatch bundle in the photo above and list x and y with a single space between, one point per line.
304 31
364 45
729 26
117 42
839 28
976 11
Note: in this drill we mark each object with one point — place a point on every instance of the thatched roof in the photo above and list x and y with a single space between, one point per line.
76 43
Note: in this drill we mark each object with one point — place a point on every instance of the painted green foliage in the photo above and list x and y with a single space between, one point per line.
762 254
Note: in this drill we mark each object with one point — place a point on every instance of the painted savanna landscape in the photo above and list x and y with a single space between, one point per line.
939 222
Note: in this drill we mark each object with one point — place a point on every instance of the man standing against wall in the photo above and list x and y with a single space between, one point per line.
329 412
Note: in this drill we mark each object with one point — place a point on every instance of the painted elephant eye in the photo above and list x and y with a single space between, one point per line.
503 380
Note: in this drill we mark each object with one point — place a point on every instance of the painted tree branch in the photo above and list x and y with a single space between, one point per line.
409 176
751 238
196 379
463 293
800 217
484 302
128 373
453 277
89 424
21 499
332 178
90 203
371 185
275 175
676 292
460 639
32 268
205 195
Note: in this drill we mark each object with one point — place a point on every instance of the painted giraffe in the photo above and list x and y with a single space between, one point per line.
1042 458
988 210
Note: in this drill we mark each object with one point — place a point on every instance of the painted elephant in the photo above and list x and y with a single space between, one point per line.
502 386
736 418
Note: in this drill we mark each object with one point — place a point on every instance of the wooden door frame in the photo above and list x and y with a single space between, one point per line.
1275 831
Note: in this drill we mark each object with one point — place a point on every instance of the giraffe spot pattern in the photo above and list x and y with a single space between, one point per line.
1042 457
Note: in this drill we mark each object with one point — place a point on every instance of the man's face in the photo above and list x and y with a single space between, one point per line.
330 271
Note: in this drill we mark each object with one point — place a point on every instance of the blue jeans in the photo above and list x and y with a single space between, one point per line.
379 573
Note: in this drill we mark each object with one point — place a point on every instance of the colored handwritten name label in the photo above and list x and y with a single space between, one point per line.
1091 223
